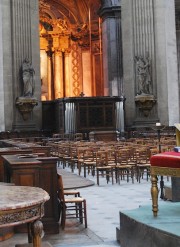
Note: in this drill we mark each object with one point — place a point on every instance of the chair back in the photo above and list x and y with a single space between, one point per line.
60 188
101 158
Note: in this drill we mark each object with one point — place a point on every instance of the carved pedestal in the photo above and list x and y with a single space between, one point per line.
145 103
25 105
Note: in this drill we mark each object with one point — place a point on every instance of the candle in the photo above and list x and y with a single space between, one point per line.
158 124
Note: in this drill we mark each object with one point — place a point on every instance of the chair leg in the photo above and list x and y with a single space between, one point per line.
84 170
63 217
85 214
80 213
97 177
112 175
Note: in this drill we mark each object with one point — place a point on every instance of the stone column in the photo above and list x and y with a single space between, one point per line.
58 74
2 99
111 44
25 44
148 29
50 78
166 60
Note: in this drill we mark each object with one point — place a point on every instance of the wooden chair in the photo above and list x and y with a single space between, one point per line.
64 153
71 207
89 160
143 163
103 167
124 166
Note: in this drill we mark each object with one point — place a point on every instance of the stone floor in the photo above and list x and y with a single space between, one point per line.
104 203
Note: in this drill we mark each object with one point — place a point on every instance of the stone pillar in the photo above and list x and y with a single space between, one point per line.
50 79
111 44
148 29
166 60
58 74
2 99
120 117
25 44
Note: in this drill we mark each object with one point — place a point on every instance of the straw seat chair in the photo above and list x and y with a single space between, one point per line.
103 167
143 163
71 207
64 153
89 161
124 166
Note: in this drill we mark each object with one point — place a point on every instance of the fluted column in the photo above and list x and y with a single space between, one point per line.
120 125
148 30
50 75
58 75
25 44
2 101
111 43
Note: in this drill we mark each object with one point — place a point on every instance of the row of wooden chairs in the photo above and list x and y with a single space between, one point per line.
111 160
121 158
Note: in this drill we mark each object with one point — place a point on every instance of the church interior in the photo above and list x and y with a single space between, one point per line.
89 142
71 46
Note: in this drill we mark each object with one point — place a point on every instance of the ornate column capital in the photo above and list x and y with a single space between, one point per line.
49 52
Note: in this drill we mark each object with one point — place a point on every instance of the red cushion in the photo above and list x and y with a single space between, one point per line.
166 159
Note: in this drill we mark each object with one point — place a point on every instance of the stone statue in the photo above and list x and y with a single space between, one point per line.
143 74
28 78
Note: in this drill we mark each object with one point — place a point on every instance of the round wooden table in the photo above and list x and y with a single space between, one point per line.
23 204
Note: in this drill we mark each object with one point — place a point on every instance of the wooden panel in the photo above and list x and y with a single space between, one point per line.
40 172
25 177
10 150
92 113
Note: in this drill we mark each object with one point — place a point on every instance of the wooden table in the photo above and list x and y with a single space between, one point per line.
23 204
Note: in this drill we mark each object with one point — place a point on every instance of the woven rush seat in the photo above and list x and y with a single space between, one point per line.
163 164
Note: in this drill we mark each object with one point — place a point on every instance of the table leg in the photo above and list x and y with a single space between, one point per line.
37 231
29 227
154 194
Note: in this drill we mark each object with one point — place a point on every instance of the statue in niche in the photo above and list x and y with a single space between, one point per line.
28 73
27 102
143 74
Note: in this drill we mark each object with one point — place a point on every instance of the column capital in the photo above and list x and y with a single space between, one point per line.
49 52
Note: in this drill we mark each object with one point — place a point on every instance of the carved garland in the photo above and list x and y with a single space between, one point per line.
22 215
75 70
165 171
